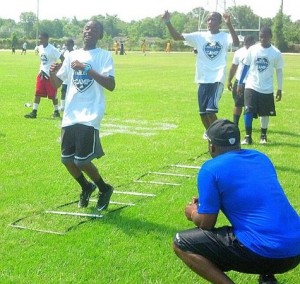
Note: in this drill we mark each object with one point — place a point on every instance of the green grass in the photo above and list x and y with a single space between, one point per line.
154 109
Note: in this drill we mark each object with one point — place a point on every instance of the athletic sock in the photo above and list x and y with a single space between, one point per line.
263 131
101 185
83 182
264 121
56 108
35 107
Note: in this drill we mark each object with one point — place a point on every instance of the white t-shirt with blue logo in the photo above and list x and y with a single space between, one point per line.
262 63
85 100
211 57
48 56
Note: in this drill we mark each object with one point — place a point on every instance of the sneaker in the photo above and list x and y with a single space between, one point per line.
56 114
267 279
263 139
247 140
104 198
30 115
85 195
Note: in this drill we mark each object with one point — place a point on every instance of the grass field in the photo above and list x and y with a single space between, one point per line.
151 124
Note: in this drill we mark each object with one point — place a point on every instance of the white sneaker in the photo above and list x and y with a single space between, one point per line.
263 139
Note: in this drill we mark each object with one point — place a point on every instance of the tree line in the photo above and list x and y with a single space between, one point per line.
286 33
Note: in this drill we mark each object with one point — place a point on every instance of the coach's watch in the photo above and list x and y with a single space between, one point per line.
87 68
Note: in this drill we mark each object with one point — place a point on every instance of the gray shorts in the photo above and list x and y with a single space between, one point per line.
80 144
222 248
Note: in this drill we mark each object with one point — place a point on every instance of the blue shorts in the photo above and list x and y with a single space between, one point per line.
209 96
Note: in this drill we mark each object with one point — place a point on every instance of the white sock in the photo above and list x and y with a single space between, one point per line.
35 106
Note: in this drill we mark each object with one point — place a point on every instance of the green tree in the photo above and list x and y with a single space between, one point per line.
278 35
28 21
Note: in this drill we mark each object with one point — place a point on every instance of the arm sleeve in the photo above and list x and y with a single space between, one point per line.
244 73
279 74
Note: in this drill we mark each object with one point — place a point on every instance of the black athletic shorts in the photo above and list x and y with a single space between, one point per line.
221 247
259 104
238 99
80 144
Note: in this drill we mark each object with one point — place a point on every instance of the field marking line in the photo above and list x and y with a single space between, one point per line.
185 166
158 182
134 193
73 214
170 174
116 202
37 230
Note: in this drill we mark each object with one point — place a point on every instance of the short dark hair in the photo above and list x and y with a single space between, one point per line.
266 30
248 39
44 35
70 41
218 16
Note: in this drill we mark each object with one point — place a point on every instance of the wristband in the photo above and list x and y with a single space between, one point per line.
87 68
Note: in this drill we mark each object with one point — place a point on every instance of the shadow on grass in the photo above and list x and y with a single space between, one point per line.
134 226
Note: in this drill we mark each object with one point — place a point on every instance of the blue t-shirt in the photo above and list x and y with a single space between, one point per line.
243 184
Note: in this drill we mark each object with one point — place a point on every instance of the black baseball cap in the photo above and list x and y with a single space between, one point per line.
223 132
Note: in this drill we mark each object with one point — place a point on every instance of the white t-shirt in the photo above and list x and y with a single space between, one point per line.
238 58
65 54
85 101
211 57
262 63
48 55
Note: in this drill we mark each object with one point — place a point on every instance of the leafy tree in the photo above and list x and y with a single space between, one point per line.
27 21
278 36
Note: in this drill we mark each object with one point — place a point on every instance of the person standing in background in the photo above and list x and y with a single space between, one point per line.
259 65
212 47
48 55
236 69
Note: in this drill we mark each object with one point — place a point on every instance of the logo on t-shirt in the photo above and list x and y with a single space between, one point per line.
81 80
262 64
44 59
212 49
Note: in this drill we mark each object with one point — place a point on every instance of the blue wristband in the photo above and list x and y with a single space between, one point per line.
87 68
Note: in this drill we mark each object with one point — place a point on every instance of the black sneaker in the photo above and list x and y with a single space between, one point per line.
30 115
56 114
104 197
85 195
247 140
267 279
